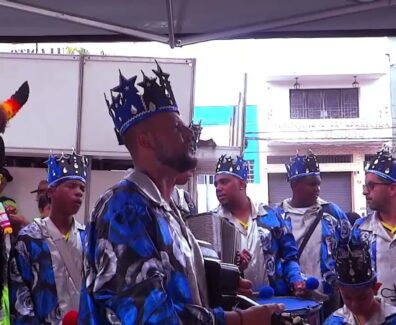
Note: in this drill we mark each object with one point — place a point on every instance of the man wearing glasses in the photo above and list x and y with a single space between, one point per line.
378 229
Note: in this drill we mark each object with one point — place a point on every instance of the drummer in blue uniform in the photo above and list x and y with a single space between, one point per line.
268 252
317 226
358 285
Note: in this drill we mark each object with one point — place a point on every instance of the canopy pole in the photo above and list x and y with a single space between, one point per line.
243 114
271 25
171 26
85 21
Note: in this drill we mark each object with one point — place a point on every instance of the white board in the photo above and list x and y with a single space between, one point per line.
49 118
101 74
100 182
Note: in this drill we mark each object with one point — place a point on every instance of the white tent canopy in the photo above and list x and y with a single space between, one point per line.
182 22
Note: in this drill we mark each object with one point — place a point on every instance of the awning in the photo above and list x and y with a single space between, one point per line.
183 22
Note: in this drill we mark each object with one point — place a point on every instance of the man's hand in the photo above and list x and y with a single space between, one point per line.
18 220
245 287
299 288
261 315
244 259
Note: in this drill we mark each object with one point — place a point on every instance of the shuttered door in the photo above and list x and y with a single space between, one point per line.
278 188
336 187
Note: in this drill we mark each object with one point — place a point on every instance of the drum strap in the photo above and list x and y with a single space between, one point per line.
309 233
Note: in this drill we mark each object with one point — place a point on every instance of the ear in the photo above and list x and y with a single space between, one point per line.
51 191
145 140
392 189
376 286
242 184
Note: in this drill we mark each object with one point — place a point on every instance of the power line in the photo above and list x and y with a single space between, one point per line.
326 130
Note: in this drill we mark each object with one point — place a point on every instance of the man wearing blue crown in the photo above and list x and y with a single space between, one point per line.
180 198
379 228
266 242
142 265
45 265
357 282
317 226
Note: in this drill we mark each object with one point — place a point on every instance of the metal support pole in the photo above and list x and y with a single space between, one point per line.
171 25
243 114
392 79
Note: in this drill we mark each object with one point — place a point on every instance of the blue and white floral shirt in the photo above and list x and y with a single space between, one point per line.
343 316
272 246
317 258
40 286
141 264
382 251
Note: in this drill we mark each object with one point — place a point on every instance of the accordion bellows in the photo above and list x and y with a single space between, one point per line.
217 231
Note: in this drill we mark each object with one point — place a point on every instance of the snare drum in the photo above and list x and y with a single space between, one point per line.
309 310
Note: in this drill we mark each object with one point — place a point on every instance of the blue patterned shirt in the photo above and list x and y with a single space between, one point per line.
40 287
382 250
343 316
272 246
141 264
317 258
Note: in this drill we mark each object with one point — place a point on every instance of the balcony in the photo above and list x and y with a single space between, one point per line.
326 130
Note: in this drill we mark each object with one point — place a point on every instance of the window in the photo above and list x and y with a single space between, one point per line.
324 103
251 171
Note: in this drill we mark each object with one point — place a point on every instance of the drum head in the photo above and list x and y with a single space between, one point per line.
292 304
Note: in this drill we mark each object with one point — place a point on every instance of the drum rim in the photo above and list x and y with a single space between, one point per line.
308 309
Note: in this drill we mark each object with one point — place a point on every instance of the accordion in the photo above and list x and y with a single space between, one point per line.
217 231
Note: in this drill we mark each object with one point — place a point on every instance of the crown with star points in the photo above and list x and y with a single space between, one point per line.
128 107
383 164
196 130
353 265
236 166
300 166
66 167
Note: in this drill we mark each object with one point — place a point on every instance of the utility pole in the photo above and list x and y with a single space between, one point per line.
392 74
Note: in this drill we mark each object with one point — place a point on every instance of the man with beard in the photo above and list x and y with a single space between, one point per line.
45 264
379 228
142 265
317 226
181 199
266 242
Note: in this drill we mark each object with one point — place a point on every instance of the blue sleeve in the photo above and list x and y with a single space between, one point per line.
127 278
356 233
334 320
343 228
288 253
390 320
287 247
280 212
334 235
20 281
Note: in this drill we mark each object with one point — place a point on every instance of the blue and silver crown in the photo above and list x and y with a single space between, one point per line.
128 107
196 130
233 166
383 164
353 265
66 167
300 166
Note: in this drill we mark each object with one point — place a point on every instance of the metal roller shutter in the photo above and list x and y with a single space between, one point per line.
336 187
